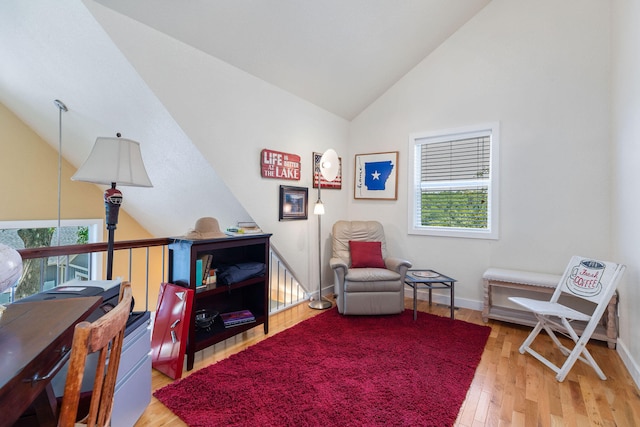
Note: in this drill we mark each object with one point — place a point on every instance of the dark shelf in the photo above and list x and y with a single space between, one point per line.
251 294
219 332
217 288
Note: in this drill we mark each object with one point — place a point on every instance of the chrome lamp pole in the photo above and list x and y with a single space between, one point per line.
328 169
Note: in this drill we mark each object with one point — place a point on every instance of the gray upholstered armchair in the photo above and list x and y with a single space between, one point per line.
367 281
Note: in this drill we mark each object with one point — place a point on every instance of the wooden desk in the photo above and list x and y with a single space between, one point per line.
34 338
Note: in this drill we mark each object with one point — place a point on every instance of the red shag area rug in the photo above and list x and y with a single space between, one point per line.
334 370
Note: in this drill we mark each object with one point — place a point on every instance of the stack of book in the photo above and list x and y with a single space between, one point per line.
210 279
237 318
244 228
204 270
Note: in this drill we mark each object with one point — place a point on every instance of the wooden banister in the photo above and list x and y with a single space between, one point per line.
49 251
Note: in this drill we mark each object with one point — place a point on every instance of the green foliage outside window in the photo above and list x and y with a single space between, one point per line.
83 235
31 277
457 209
33 270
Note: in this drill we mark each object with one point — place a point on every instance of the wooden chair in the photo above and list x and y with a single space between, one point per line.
105 337
589 279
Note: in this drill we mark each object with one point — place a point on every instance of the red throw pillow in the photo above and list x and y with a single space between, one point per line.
366 254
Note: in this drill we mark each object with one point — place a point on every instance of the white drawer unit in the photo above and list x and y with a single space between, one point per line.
133 387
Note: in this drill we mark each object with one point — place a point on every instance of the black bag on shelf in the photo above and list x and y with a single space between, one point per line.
228 274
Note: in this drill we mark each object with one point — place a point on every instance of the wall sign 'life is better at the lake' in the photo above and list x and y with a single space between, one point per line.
275 164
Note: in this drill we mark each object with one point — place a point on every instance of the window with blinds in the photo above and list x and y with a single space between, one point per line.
454 190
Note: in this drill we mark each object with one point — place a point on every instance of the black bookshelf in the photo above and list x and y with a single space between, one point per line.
251 294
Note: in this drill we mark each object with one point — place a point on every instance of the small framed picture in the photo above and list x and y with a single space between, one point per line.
376 176
335 184
293 202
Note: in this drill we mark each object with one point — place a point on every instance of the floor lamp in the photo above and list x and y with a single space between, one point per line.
113 161
327 169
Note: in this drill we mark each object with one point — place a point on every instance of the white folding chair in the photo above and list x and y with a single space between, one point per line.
585 278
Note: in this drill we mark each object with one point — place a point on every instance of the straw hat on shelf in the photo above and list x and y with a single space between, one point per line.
206 228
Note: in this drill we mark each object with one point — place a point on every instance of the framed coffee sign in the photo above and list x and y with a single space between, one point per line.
278 165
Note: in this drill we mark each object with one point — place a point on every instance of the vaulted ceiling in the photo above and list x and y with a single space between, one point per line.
340 55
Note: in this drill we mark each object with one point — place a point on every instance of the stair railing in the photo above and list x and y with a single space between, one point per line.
144 263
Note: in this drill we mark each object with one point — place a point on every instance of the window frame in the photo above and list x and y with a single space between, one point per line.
96 234
416 140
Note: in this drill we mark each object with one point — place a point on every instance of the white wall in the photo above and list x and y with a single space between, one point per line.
625 171
231 116
541 70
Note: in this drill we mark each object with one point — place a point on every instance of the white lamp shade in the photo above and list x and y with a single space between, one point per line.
329 164
114 160
318 208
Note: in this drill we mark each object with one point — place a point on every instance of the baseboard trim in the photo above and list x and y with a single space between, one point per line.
437 298
627 360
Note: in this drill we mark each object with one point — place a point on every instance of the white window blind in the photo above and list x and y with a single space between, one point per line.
453 186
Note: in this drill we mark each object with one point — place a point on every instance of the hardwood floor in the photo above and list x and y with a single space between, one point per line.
509 389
